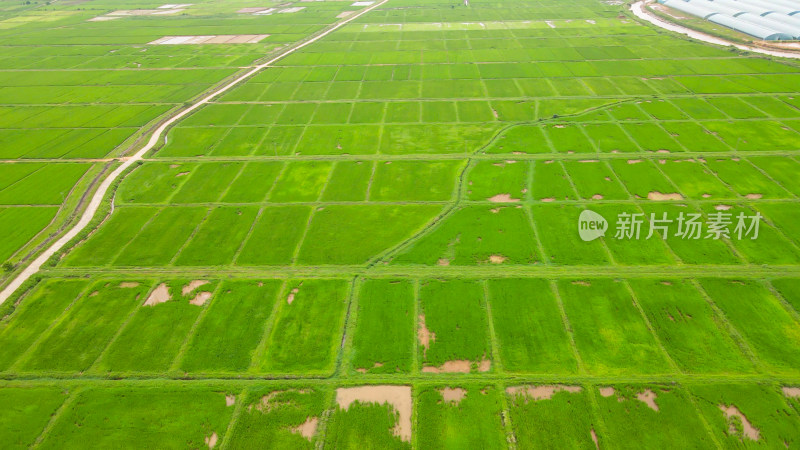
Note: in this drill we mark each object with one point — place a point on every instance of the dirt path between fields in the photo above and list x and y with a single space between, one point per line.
97 199
641 12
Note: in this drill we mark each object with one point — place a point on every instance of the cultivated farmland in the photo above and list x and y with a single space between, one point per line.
341 224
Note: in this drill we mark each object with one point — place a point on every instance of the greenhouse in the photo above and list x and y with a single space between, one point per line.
770 21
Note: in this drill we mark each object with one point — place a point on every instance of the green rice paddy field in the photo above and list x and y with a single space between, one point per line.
373 243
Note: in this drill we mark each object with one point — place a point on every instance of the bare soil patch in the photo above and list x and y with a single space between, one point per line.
658 196
497 259
194 284
159 295
753 196
548 199
597 197
211 441
733 414
374 366
503 198
791 392
722 207
634 161
455 366
453 395
443 262
607 391
648 397
200 299
291 296
541 392
345 14
424 335
594 439
230 400
398 397
128 284
307 428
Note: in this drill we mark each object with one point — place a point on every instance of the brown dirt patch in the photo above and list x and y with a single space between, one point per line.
503 198
706 195
374 366
307 428
607 391
581 283
648 397
443 262
497 259
424 335
159 295
594 439
588 160
541 392
658 196
230 400
398 397
345 14
455 366
194 284
753 196
791 392
453 395
200 299
290 298
94 294
128 284
597 197
484 365
182 174
733 414
634 161
211 441
722 207
548 199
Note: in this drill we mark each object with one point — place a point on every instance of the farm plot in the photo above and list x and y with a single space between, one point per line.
384 332
636 416
452 329
36 313
283 417
20 225
769 329
228 335
153 336
748 414
26 412
694 335
119 416
307 328
463 416
76 339
529 328
552 415
372 416
611 334
475 235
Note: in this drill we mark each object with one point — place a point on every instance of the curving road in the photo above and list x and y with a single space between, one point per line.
641 12
97 199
